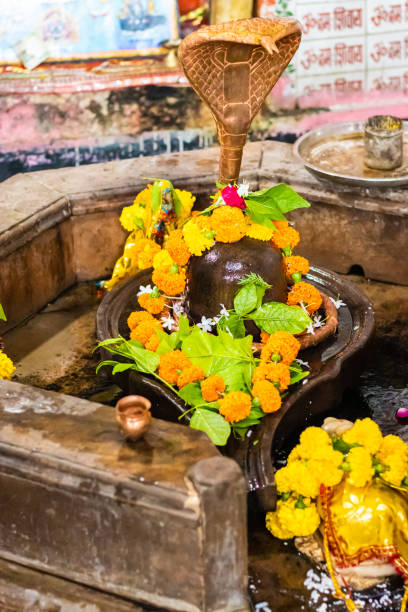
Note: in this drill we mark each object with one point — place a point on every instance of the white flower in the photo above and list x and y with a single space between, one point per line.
178 308
305 364
168 322
205 324
310 329
142 289
215 320
338 303
224 312
303 307
243 189
317 321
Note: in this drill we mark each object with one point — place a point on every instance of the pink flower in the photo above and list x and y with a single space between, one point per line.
230 196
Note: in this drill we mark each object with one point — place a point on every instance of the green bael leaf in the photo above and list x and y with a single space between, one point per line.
156 198
246 299
234 324
191 394
286 198
146 361
213 424
2 314
275 316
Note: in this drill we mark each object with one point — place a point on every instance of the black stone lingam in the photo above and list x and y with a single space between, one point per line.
213 277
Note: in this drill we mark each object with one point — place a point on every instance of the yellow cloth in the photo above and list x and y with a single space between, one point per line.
366 523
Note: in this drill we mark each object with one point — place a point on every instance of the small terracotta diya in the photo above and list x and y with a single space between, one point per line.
133 416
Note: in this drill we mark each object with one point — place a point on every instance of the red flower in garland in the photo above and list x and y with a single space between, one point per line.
230 196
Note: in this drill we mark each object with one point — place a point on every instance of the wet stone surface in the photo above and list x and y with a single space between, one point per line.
53 351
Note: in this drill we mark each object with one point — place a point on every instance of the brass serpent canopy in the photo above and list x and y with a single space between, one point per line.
233 66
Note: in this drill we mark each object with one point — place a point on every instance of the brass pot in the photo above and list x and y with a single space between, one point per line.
133 416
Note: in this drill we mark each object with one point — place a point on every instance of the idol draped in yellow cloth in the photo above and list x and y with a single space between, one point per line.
156 211
348 483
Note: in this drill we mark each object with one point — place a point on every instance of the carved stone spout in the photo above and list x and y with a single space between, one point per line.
233 66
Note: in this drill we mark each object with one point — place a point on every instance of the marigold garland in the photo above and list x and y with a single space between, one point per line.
290 519
229 224
361 467
397 469
172 364
7 367
163 260
137 317
285 237
212 387
259 232
235 406
138 209
283 344
146 256
295 265
170 284
177 247
392 445
144 330
275 372
154 305
268 395
306 294
190 374
365 432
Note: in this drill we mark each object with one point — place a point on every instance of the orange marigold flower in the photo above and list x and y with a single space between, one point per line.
264 337
235 406
145 330
170 284
145 258
153 343
268 395
228 223
189 375
212 387
295 264
307 294
152 304
177 247
172 364
281 225
286 237
137 317
275 372
281 343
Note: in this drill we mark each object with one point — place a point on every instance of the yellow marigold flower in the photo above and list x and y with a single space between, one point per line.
285 237
229 224
297 477
6 367
192 373
364 432
312 439
275 372
268 395
295 265
177 247
145 259
162 260
258 231
170 284
172 364
129 213
153 343
281 343
273 525
362 471
326 471
307 294
392 445
153 305
144 331
187 201
137 317
235 406
197 240
294 454
397 469
300 521
212 387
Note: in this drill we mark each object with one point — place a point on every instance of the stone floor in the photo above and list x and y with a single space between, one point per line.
53 350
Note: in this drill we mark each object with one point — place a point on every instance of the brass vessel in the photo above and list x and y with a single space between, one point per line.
133 416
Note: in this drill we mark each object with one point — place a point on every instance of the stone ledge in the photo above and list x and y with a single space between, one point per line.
79 502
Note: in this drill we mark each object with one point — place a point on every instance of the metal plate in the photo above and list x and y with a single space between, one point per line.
335 152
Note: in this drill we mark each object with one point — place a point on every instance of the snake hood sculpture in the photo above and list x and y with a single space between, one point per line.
233 66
